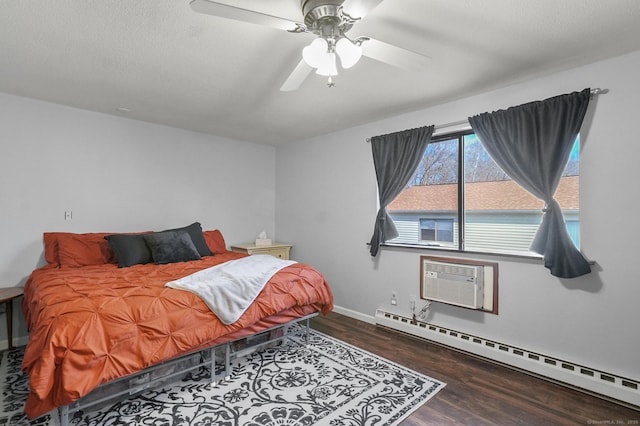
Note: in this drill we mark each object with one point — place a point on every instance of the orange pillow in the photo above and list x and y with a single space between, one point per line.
51 247
215 241
75 250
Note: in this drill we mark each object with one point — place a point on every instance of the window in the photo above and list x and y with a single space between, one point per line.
436 230
460 199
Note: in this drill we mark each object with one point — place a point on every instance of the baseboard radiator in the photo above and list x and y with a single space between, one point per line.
624 390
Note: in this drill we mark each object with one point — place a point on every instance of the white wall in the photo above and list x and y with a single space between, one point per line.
326 205
117 174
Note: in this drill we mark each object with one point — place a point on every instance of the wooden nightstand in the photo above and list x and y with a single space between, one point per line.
6 296
276 249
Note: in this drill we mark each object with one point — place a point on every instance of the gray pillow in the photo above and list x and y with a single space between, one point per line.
171 247
195 232
130 249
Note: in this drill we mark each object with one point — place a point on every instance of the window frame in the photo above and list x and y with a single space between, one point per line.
459 248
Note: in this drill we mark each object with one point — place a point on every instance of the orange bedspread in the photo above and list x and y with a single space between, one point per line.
93 324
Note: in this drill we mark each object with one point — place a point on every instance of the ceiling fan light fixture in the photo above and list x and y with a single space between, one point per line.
348 52
328 66
315 53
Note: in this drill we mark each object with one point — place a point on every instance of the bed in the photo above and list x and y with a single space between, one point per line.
95 315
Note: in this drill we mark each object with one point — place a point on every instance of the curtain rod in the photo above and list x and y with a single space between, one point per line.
594 92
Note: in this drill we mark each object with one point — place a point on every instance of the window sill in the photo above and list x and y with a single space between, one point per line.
528 256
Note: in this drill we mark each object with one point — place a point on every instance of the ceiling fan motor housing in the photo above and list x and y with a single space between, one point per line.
323 17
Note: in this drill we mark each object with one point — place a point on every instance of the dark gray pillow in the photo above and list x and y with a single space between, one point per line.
195 232
171 247
129 249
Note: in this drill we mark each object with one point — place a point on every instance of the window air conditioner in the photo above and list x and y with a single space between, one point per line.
452 283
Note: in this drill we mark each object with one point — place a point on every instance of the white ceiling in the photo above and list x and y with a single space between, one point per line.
167 64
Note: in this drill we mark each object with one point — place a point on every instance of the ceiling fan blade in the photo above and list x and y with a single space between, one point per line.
222 10
297 77
394 55
359 8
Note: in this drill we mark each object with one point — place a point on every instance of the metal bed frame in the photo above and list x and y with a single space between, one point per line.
165 372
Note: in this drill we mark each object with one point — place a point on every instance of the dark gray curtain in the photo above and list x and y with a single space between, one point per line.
395 157
532 144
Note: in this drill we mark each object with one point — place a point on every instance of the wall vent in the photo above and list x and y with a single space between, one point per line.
619 388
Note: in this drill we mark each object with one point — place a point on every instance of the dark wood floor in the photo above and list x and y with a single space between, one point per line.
478 392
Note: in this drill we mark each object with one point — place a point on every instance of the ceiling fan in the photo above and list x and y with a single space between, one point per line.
329 20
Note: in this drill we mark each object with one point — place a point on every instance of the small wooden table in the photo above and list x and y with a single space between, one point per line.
6 296
279 250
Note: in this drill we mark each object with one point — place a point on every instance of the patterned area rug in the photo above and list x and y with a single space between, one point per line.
327 382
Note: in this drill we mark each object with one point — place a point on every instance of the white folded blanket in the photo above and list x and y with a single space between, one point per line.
231 287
